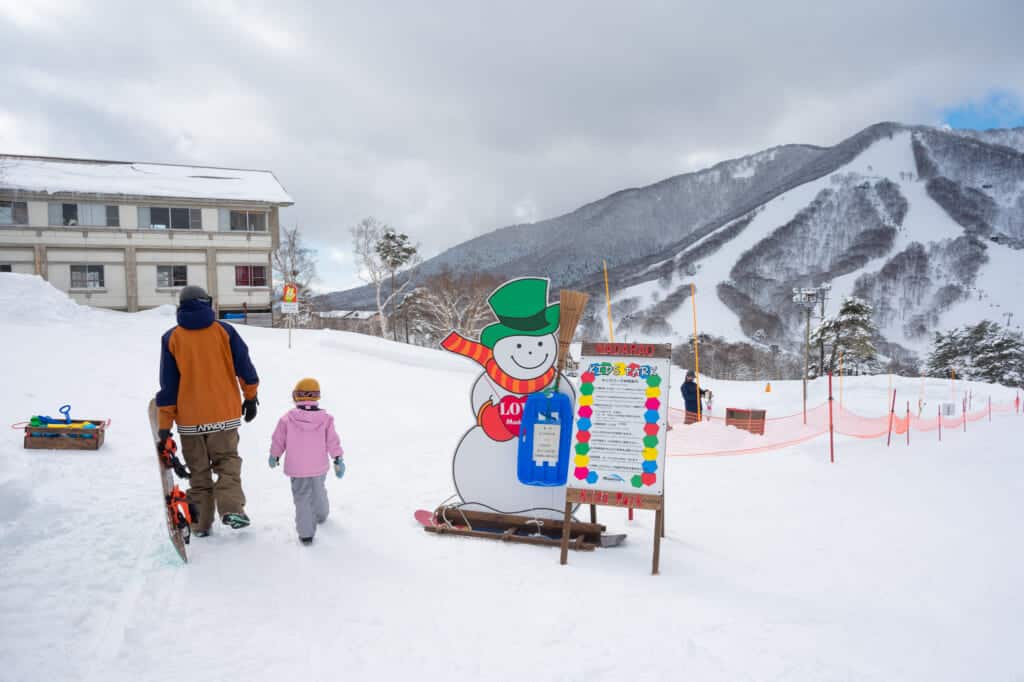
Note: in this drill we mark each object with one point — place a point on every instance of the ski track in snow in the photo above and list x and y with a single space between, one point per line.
898 563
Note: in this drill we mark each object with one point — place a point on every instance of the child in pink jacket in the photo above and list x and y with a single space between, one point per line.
306 437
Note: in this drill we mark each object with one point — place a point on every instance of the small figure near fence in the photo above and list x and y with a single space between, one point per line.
691 398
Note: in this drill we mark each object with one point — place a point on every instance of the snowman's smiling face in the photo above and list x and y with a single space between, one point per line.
526 357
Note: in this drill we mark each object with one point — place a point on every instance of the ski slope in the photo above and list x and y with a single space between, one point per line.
993 294
892 564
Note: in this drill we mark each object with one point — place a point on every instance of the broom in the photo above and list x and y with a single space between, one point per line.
571 307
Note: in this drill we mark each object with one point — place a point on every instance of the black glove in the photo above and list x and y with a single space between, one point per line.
249 409
162 436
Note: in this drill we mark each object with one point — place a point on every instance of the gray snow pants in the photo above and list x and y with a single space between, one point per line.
311 505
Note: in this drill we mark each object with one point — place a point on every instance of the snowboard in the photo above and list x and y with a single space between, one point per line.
176 510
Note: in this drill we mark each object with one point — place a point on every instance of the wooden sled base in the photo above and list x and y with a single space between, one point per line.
511 528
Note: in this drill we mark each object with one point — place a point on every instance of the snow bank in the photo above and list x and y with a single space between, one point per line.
29 299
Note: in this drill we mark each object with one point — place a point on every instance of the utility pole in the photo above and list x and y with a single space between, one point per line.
823 296
806 298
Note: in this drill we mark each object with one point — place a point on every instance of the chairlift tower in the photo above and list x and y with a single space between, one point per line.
808 299
823 291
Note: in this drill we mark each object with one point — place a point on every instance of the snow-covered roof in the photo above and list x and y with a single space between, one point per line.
82 176
349 314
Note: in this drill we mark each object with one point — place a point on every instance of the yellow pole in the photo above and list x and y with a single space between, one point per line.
696 353
608 298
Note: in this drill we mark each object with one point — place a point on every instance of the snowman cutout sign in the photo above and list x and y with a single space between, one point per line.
518 355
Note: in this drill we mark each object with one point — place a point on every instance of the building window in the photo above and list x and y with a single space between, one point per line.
13 213
251 275
171 276
248 221
86 276
69 214
5 267
159 218
163 218
86 215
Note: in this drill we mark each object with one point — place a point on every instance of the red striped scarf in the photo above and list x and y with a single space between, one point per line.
484 356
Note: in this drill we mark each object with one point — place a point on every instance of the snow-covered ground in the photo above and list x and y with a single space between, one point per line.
892 564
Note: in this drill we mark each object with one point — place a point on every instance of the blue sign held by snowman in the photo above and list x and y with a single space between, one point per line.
545 439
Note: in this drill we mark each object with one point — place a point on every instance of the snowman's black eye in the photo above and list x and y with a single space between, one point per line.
539 344
519 345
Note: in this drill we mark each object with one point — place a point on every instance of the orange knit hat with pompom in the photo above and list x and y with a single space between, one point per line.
306 391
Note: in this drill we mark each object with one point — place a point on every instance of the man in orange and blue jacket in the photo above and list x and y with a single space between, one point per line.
207 384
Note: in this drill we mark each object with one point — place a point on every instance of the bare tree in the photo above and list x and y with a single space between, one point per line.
295 263
451 301
374 269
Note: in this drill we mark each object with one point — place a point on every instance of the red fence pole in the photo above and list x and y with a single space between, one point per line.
965 414
908 422
939 410
831 437
892 413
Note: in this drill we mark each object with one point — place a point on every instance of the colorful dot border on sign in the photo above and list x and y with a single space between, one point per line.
650 440
585 412
652 416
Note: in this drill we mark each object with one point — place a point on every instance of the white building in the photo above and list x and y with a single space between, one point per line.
130 235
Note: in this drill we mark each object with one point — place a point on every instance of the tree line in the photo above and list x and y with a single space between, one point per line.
422 309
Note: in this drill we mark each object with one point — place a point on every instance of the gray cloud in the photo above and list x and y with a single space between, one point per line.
450 119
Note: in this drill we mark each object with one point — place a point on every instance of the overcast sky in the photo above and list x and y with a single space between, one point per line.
449 119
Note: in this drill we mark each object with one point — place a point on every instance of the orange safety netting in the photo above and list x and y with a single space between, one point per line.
711 437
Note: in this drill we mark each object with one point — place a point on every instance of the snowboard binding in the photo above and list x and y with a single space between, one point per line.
181 513
169 456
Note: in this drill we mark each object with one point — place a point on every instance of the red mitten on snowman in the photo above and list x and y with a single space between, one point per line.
489 419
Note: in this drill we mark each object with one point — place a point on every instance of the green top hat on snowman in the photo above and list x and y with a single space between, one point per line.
522 309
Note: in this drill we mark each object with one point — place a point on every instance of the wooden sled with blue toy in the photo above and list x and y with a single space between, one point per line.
63 433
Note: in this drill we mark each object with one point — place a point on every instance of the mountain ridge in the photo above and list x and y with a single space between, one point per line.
953 183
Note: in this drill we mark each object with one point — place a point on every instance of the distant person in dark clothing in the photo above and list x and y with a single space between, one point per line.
690 398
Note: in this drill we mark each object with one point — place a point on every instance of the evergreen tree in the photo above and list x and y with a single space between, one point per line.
851 332
380 254
395 252
983 352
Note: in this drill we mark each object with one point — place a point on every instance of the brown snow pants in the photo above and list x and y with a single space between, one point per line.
208 454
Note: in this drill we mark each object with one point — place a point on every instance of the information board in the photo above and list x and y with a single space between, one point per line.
290 299
622 414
